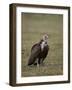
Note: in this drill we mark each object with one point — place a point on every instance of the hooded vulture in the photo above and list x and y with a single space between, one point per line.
39 52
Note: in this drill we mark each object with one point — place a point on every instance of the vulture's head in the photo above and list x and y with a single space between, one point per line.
44 41
45 38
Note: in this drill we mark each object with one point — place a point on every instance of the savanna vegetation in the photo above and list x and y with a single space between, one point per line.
34 26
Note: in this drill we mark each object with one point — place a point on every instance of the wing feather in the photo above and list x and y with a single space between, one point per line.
34 53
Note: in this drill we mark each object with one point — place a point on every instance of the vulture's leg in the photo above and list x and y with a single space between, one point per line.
38 62
41 61
35 63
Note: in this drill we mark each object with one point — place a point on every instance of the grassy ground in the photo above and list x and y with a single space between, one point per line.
34 26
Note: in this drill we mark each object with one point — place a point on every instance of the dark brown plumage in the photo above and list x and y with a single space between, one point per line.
39 52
